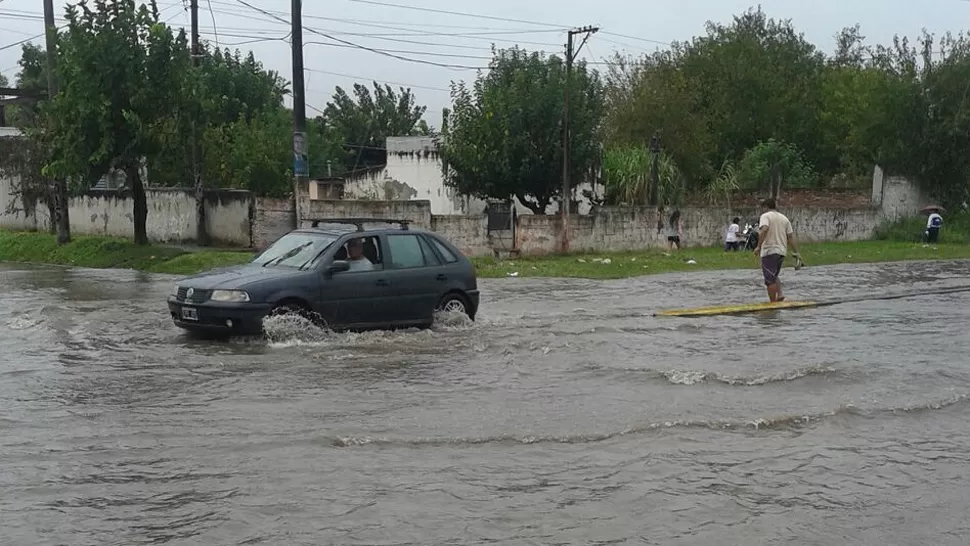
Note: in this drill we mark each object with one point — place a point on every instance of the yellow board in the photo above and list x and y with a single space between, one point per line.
735 309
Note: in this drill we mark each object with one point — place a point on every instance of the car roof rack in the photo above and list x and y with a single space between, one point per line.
358 222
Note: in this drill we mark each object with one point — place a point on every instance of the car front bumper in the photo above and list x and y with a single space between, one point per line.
218 317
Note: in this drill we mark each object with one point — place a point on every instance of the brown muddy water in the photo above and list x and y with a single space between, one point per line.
566 415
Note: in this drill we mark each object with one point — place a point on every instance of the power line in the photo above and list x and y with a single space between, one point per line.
402 31
436 54
360 78
365 48
24 41
213 15
251 39
628 37
362 22
461 14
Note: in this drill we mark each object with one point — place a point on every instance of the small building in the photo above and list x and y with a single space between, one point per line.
413 171
326 188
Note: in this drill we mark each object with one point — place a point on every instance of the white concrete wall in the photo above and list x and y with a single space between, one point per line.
171 215
901 198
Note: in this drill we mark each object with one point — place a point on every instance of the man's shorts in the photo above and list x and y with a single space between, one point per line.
771 267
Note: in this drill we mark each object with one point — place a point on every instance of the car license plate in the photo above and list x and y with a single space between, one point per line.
190 313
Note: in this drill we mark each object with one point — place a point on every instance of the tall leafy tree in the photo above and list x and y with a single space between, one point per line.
226 90
32 77
120 73
364 120
504 134
256 153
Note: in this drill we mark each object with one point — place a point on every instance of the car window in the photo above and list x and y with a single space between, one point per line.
447 254
430 258
407 251
371 257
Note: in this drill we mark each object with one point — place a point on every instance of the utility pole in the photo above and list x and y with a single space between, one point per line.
566 134
655 169
201 230
301 168
59 193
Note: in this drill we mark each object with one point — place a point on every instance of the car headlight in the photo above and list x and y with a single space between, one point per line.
229 296
175 290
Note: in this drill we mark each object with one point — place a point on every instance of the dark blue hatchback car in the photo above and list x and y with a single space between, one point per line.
338 273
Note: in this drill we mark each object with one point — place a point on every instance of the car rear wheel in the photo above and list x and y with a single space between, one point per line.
453 303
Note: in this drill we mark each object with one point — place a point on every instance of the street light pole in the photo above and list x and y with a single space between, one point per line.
566 135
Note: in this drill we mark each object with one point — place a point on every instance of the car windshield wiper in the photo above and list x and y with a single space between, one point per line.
315 258
288 255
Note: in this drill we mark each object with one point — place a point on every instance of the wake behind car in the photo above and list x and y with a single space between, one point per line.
338 273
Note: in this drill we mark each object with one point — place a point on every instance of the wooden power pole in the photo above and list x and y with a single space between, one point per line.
566 134
301 167
59 191
201 228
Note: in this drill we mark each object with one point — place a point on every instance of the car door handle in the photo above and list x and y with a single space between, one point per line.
382 282
442 277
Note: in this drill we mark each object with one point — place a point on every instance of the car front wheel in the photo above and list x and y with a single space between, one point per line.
292 309
453 303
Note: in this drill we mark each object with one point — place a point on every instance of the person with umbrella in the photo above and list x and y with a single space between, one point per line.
933 223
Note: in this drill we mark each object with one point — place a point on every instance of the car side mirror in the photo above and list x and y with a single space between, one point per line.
338 266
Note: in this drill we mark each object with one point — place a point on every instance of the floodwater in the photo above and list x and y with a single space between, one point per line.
566 415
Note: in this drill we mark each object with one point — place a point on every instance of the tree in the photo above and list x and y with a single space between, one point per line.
120 72
225 90
720 94
772 164
653 93
504 135
627 176
32 77
24 157
364 121
256 153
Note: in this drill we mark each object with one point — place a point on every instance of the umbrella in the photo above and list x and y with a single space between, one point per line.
932 208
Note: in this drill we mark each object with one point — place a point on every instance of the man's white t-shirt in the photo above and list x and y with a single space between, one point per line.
732 234
779 228
363 264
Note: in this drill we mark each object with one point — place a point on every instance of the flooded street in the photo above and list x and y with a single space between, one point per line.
566 414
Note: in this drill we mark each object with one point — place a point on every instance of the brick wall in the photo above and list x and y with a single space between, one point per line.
272 219
468 233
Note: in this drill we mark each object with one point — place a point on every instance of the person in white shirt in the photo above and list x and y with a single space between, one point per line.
933 225
355 255
731 241
775 235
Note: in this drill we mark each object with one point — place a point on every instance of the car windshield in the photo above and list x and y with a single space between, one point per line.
296 249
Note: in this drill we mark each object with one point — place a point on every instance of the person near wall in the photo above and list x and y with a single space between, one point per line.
731 240
933 225
675 232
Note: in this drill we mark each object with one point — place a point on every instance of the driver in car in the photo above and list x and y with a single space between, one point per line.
355 255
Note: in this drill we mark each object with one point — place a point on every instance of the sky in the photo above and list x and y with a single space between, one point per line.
426 44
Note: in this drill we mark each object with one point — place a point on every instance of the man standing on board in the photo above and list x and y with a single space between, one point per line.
775 234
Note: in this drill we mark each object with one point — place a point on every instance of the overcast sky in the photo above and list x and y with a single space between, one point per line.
451 45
